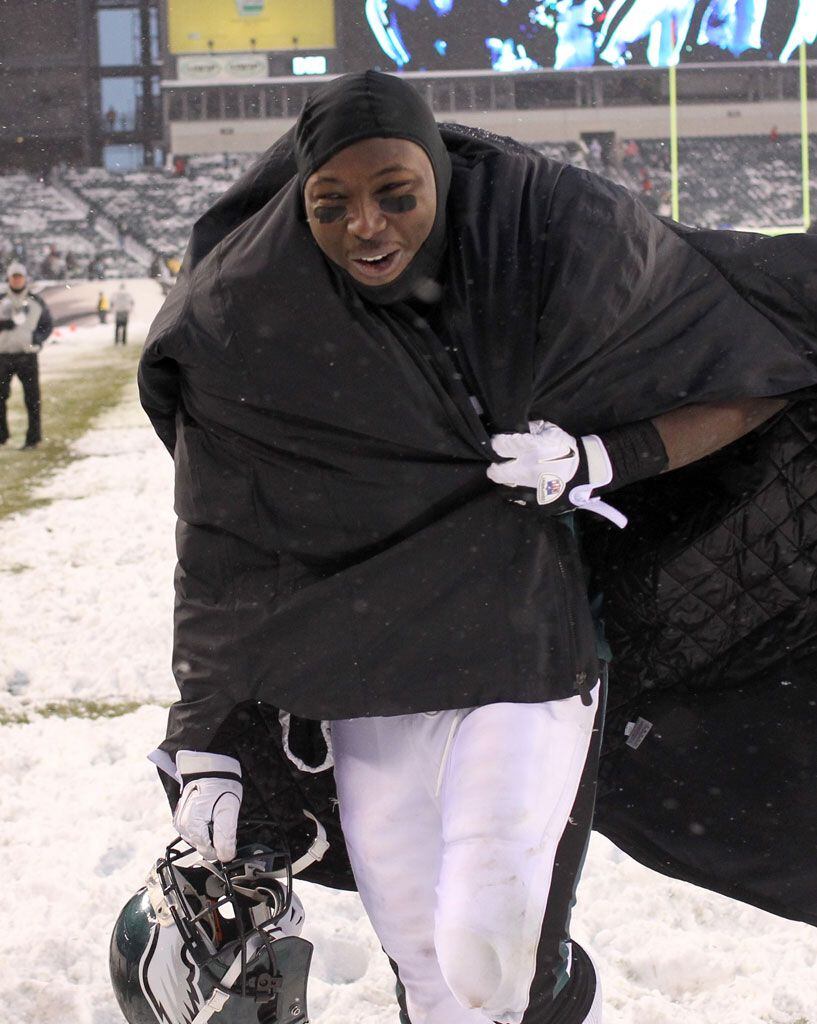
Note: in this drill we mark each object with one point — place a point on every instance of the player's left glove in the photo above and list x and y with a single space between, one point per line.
554 470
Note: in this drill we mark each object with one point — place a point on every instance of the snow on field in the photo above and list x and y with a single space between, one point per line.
86 584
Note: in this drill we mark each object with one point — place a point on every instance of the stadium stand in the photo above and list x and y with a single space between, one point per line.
132 220
52 231
159 207
736 182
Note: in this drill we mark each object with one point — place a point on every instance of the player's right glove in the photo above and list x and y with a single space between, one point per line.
207 812
552 469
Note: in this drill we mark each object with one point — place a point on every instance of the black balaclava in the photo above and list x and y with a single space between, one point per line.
371 105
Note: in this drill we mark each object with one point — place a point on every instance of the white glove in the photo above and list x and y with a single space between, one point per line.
207 812
547 461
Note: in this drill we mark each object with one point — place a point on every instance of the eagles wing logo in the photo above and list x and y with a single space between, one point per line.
175 999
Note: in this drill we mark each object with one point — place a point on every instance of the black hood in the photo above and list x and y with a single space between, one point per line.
371 105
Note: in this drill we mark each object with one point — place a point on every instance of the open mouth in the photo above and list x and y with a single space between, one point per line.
377 266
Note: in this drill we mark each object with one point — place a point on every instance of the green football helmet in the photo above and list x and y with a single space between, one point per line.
211 942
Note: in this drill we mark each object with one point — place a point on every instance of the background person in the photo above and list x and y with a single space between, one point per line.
25 324
96 269
122 305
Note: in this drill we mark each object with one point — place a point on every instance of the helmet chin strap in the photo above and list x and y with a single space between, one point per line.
218 998
319 846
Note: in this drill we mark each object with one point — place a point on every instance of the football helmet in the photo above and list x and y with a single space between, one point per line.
211 942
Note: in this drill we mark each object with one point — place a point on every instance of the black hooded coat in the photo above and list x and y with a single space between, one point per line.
341 552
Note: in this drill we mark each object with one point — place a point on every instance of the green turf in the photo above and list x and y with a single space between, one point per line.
72 708
71 401
73 397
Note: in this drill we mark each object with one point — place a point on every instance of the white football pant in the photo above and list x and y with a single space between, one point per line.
452 820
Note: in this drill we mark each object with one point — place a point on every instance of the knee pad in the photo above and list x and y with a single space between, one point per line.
470 965
479 977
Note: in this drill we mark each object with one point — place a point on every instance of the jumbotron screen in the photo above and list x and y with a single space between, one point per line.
522 35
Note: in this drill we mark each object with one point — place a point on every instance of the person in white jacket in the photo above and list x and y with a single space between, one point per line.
122 305
25 324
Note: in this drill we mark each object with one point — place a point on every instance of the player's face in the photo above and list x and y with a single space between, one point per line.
371 206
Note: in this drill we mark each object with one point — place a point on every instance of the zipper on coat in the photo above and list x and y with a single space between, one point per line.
449 375
580 682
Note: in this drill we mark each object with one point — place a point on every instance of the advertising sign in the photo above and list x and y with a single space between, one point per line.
221 67
226 26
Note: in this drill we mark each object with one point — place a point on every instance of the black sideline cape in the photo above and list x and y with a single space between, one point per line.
341 552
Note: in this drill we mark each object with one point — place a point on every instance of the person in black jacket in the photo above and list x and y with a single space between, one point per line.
398 363
25 324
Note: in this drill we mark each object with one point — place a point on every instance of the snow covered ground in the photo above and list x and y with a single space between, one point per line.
86 613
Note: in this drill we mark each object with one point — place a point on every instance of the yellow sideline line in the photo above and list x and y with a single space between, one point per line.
804 137
673 141
779 229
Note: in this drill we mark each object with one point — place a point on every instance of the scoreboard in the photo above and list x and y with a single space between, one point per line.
525 35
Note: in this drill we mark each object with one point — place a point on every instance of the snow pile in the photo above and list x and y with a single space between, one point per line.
87 597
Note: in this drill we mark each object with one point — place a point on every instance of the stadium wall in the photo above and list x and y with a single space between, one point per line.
560 125
47 93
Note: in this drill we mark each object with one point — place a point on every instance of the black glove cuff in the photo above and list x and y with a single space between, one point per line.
195 776
636 452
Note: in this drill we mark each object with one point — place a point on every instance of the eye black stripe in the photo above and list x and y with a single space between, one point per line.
398 204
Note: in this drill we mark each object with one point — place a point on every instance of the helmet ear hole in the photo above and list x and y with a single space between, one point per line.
274 897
